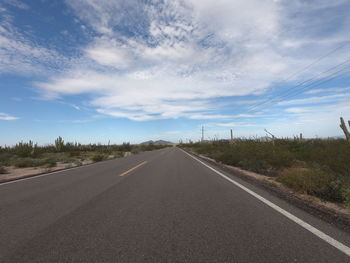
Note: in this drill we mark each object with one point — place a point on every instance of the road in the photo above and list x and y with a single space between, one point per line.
159 206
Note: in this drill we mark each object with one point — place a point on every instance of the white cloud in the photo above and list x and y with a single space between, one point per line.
318 99
238 20
315 120
146 95
314 91
20 55
107 52
171 59
7 117
236 124
156 60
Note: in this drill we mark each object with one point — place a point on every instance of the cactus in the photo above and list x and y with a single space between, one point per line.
344 128
59 144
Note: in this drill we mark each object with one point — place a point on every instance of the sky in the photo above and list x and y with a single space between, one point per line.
136 70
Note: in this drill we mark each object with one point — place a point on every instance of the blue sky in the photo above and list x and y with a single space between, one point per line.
134 70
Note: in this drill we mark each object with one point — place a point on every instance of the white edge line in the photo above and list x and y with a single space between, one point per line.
343 248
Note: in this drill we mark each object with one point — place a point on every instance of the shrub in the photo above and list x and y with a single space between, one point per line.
78 163
98 157
312 181
3 170
135 150
24 162
23 149
346 197
125 147
255 165
118 154
5 159
74 153
49 162
29 162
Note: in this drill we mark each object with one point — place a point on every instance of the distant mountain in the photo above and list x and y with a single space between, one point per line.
159 142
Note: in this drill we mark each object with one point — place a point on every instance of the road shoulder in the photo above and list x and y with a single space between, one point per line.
333 216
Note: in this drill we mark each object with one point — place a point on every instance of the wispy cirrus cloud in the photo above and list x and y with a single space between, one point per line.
166 63
317 99
7 117
320 120
21 54
331 90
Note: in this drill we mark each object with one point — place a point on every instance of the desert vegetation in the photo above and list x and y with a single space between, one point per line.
29 154
317 167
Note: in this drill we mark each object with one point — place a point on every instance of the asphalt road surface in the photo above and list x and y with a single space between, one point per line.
159 206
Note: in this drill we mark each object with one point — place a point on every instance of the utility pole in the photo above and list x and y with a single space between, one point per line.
273 136
202 133
344 128
231 135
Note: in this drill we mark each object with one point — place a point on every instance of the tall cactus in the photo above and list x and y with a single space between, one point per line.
59 144
344 128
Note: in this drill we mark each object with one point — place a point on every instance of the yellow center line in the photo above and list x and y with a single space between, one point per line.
132 169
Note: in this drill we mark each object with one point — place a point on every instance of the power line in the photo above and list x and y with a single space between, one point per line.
321 81
318 60
314 84
305 82
302 70
303 85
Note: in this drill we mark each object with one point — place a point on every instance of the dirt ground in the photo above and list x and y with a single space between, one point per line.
15 173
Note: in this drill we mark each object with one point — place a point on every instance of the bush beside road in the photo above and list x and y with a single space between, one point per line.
27 158
316 167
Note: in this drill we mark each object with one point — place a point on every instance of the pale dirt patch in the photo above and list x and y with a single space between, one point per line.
15 173
126 154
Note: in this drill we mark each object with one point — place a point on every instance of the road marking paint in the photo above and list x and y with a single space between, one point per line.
132 169
343 248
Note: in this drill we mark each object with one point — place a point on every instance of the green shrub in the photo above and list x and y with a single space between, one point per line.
68 160
5 159
78 163
24 163
253 155
49 163
74 153
3 170
312 181
23 149
125 147
254 164
29 162
135 150
316 167
346 197
98 157
118 154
